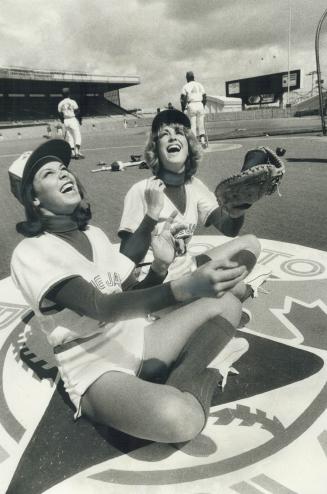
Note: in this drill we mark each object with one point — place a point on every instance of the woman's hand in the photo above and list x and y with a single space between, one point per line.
236 210
165 246
154 197
182 237
212 279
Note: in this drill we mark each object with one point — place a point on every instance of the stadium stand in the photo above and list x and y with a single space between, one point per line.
33 95
310 106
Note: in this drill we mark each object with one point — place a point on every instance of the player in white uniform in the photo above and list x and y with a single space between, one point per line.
120 369
193 99
173 154
70 114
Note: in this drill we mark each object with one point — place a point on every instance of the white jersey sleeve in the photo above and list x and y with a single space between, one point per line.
40 263
206 200
134 208
194 91
35 269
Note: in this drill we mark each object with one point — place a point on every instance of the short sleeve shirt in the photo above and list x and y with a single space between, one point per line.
200 202
54 260
67 106
193 91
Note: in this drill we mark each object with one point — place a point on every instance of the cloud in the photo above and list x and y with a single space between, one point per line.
160 40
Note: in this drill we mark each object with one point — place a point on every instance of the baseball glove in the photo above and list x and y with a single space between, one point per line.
260 175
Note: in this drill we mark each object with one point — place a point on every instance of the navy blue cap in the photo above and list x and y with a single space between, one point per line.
23 169
170 117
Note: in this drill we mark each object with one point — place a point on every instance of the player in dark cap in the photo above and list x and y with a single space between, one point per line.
147 378
174 154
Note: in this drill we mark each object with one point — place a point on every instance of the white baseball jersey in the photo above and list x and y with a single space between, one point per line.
67 107
40 263
193 91
87 348
200 202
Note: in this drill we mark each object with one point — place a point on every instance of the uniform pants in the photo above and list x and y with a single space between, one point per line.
195 111
73 132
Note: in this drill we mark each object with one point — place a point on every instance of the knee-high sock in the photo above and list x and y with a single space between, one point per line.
245 258
202 347
249 292
190 373
201 386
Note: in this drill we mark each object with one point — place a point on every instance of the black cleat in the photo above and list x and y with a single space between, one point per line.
280 151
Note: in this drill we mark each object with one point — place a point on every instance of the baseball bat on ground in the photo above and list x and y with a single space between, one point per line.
118 166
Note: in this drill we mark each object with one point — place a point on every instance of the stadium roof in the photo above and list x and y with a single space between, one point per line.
20 76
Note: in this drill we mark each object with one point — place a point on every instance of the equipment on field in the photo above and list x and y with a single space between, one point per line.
136 157
280 151
118 166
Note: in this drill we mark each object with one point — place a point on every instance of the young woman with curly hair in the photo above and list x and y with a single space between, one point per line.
174 154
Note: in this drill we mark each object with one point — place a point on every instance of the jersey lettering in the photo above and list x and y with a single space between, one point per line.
112 279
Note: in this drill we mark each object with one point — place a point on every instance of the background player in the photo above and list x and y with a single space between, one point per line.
69 113
193 99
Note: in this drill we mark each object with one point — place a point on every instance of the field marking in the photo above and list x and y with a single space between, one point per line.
214 146
84 149
281 136
221 146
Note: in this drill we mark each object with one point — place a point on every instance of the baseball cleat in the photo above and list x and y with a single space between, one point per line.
204 141
245 318
256 278
232 352
280 151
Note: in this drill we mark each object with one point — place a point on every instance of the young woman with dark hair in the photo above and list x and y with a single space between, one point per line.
119 367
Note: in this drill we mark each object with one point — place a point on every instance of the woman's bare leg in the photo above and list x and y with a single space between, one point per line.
158 412
142 409
166 337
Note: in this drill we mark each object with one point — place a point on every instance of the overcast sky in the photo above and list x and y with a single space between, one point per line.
159 40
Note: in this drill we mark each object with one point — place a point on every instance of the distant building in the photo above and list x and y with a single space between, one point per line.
217 104
145 112
264 90
27 94
311 106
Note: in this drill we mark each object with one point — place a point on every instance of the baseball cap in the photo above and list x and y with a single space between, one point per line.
23 169
190 74
170 117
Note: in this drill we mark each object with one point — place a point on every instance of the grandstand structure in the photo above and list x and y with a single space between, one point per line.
27 94
311 105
